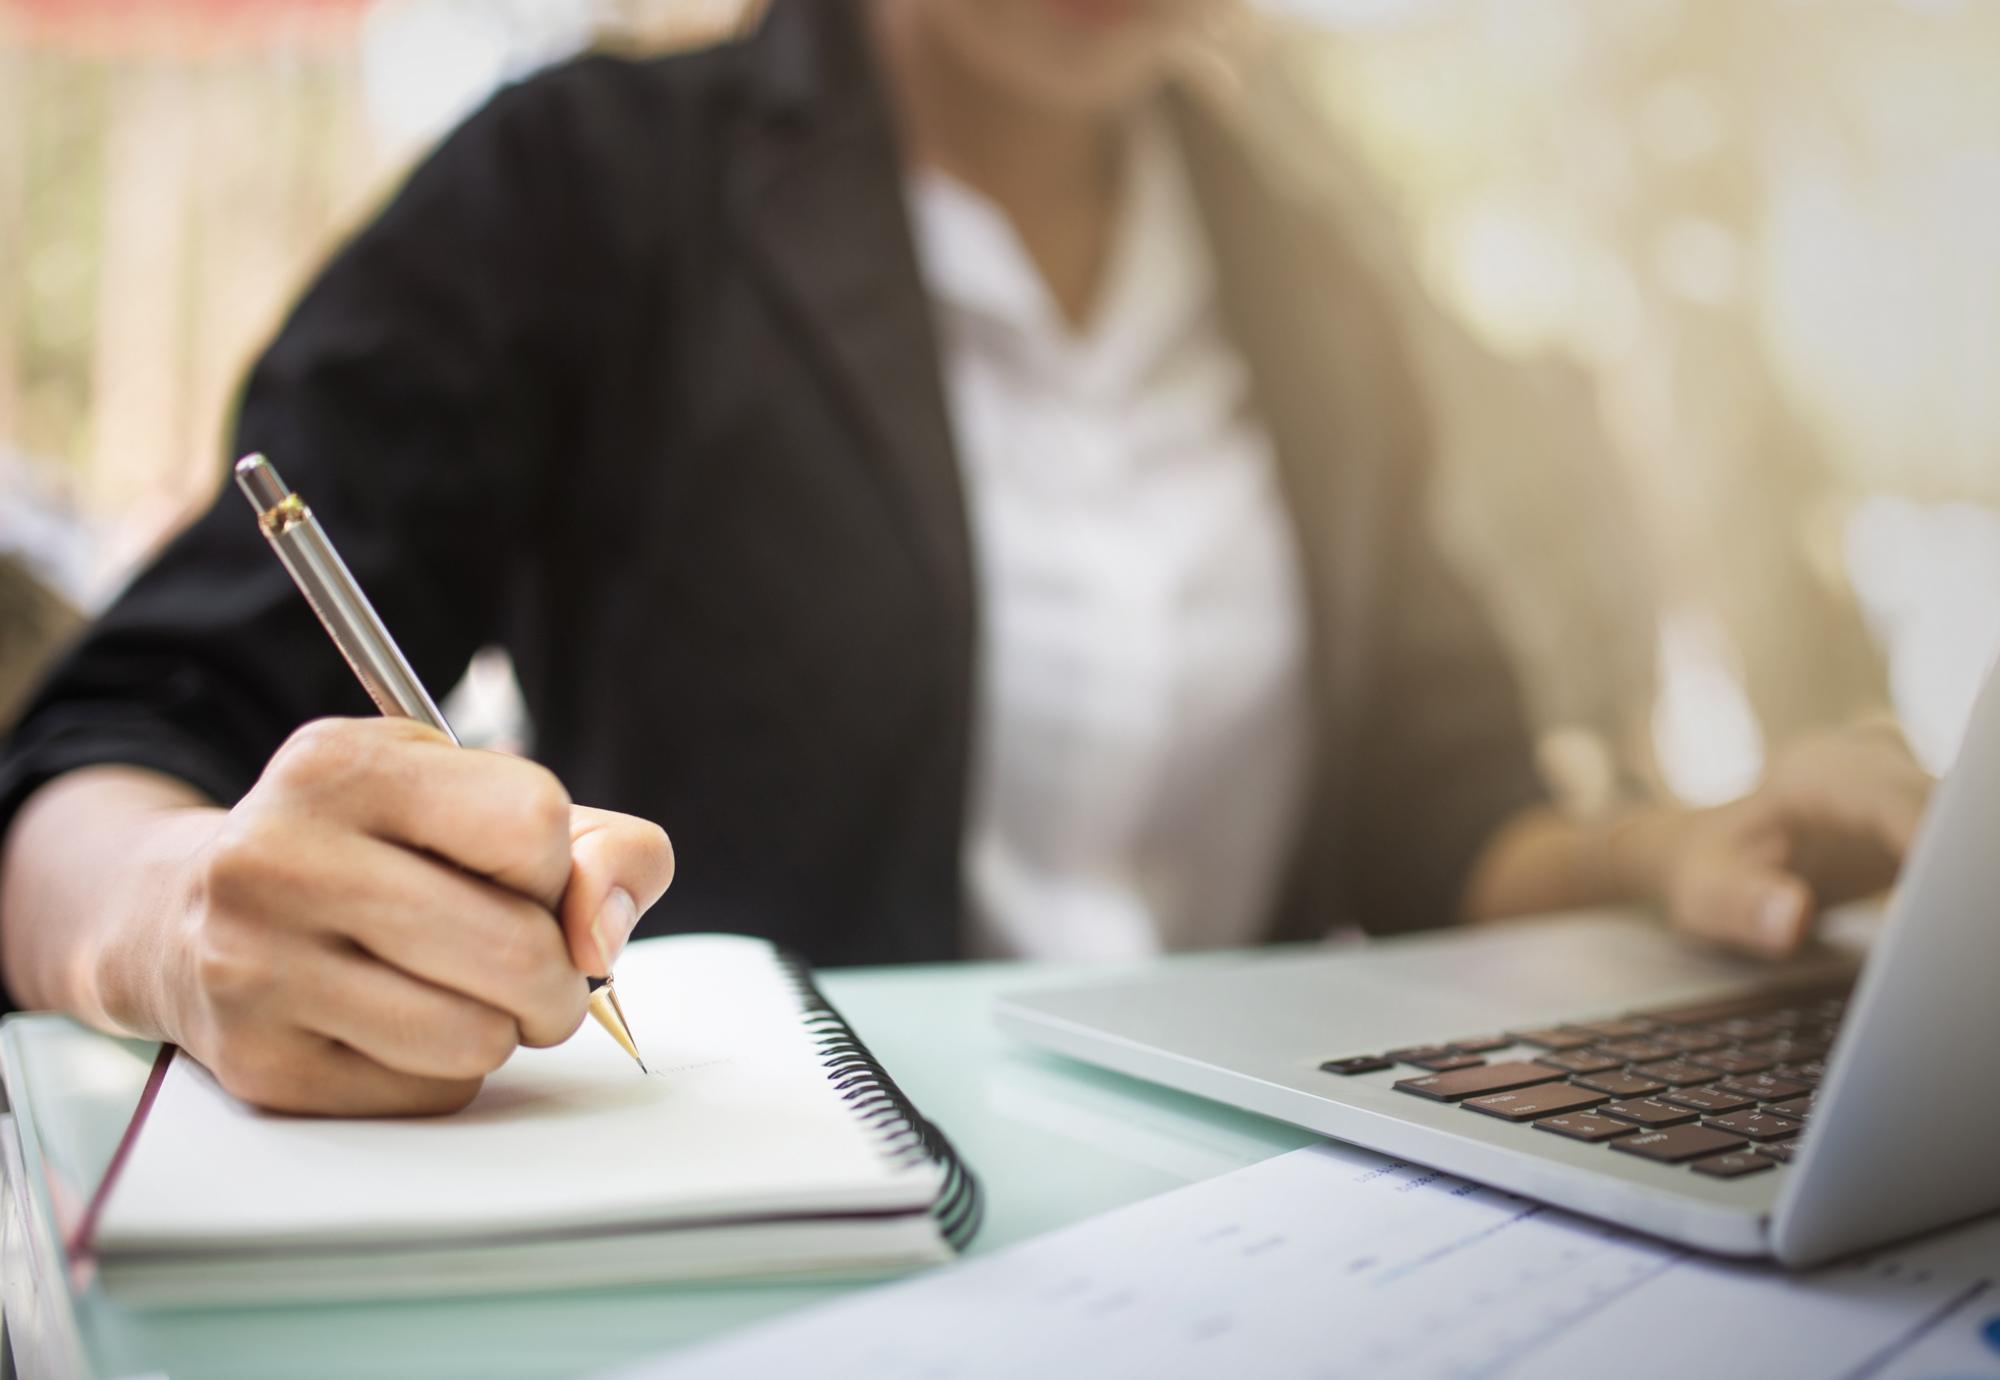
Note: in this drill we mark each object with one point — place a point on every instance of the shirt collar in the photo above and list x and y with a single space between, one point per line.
1157 279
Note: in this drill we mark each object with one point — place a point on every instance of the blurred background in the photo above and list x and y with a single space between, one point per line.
1704 291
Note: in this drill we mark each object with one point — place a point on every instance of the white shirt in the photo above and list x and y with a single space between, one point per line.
1141 732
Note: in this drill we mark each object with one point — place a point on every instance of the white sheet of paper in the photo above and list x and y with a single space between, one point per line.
1331 1262
737 1118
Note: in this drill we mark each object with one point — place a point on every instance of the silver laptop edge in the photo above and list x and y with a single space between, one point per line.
1906 1132
1905 1123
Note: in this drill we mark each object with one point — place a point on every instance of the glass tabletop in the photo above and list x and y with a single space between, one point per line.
1052 1141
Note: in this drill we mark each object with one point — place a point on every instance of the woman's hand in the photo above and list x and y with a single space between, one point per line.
370 931
1831 822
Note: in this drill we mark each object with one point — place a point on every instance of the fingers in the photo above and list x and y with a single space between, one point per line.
300 1072
1849 805
1760 910
404 1024
501 817
620 866
1862 782
470 936
1732 883
433 921
375 925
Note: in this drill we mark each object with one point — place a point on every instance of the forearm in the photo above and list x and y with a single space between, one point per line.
1540 861
92 877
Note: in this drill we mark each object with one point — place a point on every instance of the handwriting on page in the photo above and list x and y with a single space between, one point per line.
1331 1262
692 1066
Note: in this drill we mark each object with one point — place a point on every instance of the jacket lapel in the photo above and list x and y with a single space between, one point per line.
1298 309
1319 350
816 191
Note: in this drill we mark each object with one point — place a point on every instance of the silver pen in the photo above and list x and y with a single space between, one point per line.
357 630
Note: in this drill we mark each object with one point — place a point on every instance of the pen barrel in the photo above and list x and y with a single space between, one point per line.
363 639
350 620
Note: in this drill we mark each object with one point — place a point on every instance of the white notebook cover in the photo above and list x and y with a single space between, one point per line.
738 1122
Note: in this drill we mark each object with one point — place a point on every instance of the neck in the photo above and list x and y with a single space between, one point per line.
956 119
1053 172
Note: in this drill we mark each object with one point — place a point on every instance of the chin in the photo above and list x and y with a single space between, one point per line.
1073 55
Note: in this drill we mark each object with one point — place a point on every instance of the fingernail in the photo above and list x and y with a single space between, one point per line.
1780 918
613 925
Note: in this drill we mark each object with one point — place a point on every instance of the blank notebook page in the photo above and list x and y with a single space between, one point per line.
737 1120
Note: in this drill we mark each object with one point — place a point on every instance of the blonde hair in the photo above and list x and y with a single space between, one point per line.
35 623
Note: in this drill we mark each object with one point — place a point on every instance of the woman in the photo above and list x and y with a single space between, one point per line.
914 455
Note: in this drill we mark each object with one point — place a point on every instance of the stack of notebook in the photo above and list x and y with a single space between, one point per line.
765 1139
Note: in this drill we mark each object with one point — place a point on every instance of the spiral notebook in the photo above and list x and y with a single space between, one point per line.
766 1140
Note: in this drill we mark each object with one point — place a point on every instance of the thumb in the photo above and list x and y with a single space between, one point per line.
1749 904
619 866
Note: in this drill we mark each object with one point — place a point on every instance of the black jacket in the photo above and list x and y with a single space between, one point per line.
636 377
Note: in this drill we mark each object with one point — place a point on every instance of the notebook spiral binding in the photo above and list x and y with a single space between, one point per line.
906 1135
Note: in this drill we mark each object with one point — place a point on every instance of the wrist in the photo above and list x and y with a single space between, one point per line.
98 879
137 979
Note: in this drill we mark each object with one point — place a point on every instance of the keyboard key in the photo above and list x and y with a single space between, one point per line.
1808 1073
1732 1061
1578 1060
1676 1073
1622 1028
1482 1044
1488 1078
1552 1037
1586 1126
1733 1165
1619 1084
1779 1150
1745 1028
1786 1051
1797 1108
1754 1125
1358 1063
1637 1051
1711 1100
1805 996
1704 1013
1525 1104
1412 1054
1647 1111
1765 1087
1678 1143
1443 1063
1696 1041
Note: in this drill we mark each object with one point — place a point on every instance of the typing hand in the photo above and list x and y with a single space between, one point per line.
1831 822
374 927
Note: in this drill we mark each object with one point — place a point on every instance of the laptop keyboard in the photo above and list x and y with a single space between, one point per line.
1723 1088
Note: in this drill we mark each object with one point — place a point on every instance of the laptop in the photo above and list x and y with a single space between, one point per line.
1799 1111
